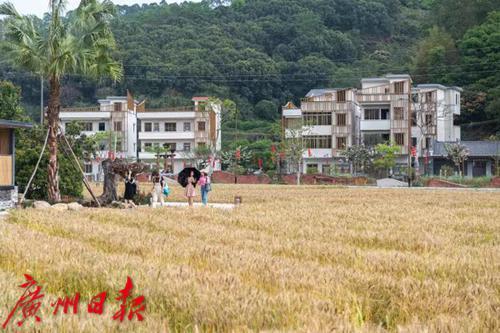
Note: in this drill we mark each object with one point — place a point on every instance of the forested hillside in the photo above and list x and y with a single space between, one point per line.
262 53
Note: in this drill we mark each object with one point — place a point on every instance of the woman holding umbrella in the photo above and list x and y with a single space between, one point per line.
190 190
188 178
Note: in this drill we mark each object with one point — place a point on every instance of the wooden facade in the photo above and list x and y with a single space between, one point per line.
8 151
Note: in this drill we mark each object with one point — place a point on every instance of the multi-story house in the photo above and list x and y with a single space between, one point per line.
129 130
179 130
378 112
329 122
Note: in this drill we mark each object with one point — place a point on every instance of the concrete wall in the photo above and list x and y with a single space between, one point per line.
8 198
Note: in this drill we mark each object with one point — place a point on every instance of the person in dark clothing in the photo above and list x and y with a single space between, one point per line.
130 188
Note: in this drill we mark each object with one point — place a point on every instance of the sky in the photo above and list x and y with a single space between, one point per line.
38 7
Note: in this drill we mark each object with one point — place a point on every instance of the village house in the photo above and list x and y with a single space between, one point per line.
382 110
130 130
8 186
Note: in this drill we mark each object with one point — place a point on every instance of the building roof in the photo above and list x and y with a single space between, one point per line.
438 86
320 92
200 98
387 77
476 148
14 124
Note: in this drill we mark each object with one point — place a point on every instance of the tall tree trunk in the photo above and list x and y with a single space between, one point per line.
53 122
109 186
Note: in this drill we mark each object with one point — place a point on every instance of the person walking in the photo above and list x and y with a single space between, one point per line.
190 189
205 186
130 189
157 193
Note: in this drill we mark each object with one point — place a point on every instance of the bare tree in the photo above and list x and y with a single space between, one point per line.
294 146
427 111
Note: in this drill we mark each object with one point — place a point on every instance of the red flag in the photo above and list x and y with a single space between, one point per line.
260 163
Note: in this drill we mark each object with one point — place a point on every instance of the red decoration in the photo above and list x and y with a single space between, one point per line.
66 303
136 307
29 303
96 304
238 154
260 163
309 152
414 151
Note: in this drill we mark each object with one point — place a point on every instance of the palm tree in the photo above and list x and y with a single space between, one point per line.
80 43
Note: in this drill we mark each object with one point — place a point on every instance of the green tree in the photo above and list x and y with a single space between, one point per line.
81 43
385 157
436 56
266 110
458 154
359 156
10 107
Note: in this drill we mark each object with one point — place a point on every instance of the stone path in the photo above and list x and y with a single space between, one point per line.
196 204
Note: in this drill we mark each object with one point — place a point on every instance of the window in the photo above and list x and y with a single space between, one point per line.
117 126
341 96
117 106
377 114
413 118
341 119
169 146
102 127
373 139
202 144
148 127
148 145
87 167
326 169
312 168
399 113
87 127
318 142
318 119
413 142
372 114
456 99
156 127
170 127
428 97
428 142
341 142
201 126
118 145
428 120
384 114
156 145
399 138
187 146
399 87
292 122
187 127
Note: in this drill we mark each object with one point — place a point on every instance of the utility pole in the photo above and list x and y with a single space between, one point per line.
41 100
409 132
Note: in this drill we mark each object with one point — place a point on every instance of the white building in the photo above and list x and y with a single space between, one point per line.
128 130
375 113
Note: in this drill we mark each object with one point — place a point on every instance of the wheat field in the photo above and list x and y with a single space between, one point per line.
294 259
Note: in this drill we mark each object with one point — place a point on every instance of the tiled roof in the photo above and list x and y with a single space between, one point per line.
476 148
14 124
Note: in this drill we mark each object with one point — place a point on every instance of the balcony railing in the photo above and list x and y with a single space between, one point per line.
325 106
87 109
172 109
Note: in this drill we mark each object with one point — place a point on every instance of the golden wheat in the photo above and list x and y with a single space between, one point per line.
315 259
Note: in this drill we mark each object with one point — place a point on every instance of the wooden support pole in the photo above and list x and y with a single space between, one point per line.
85 182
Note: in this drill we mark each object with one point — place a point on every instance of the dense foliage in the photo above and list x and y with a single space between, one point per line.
262 53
